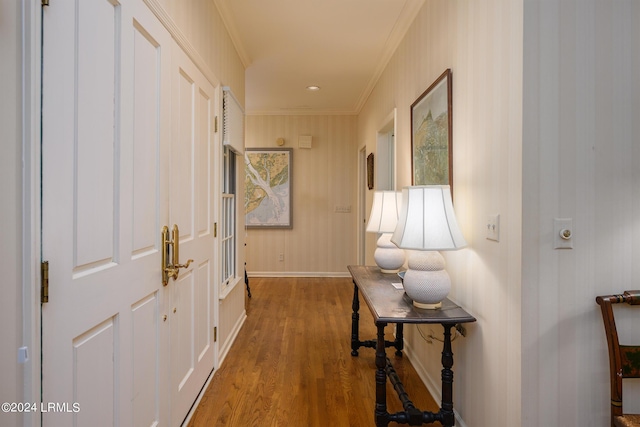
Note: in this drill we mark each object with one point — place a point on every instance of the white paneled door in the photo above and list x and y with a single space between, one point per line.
127 148
191 207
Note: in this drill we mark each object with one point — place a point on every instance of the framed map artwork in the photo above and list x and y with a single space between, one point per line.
431 124
267 198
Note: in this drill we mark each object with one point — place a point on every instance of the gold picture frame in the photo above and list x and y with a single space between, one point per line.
431 134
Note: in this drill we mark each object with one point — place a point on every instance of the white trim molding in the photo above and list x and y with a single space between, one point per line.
297 274
31 35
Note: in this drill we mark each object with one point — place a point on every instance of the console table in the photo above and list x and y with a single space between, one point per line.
390 305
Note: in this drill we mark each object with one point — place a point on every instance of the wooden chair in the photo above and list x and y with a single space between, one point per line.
624 360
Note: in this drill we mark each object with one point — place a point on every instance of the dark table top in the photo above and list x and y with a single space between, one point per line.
391 305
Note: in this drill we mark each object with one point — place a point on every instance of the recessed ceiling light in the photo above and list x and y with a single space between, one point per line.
313 88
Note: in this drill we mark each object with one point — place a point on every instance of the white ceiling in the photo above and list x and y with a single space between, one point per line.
340 45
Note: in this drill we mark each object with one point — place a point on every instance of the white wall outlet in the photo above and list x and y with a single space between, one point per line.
493 227
281 257
562 233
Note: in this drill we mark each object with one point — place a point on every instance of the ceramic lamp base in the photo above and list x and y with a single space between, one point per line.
426 281
387 255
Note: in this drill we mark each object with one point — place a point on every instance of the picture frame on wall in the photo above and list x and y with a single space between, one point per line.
268 187
431 134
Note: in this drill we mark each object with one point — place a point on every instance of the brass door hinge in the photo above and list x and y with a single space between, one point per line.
215 334
44 288
215 124
45 2
215 229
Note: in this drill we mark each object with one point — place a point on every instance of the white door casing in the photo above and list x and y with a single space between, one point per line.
123 156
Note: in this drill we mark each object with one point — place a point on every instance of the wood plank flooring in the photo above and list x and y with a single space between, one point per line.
291 363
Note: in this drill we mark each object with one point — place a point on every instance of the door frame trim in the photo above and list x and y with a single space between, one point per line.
31 208
362 205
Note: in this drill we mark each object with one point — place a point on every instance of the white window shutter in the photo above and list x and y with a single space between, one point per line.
232 122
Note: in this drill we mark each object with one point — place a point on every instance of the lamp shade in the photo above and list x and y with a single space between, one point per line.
383 220
384 212
427 220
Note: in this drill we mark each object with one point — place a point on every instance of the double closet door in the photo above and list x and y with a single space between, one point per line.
128 147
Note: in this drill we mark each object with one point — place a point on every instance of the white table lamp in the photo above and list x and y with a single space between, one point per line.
383 219
427 224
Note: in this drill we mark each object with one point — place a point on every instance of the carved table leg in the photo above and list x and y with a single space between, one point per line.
355 318
399 343
446 409
381 414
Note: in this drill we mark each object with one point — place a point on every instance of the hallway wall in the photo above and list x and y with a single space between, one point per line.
580 160
322 242
545 109
481 41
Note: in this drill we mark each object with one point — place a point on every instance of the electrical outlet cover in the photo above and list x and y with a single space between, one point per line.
493 227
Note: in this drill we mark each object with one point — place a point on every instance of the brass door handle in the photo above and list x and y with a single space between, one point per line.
171 265
176 249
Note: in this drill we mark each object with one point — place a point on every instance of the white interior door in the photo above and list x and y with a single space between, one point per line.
192 209
116 168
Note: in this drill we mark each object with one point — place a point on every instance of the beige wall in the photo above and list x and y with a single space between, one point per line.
321 242
481 41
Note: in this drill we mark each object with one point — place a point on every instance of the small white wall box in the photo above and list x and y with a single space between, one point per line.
304 141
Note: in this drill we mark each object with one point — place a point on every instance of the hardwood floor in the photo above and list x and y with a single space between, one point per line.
291 363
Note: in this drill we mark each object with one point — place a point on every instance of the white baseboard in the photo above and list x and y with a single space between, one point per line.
433 384
298 274
226 346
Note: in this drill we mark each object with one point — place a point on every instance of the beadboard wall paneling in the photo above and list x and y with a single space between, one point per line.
481 42
581 151
321 242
